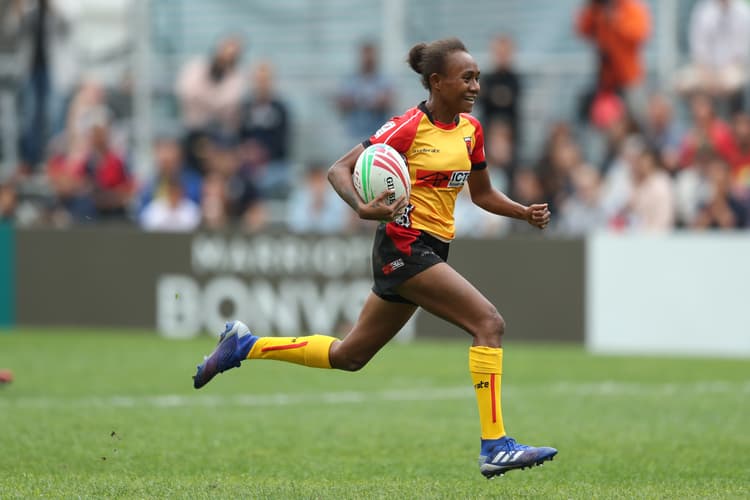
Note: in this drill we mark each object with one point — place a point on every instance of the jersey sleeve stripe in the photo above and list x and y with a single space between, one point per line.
388 138
479 166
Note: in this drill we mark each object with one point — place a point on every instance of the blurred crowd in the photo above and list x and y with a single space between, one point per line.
632 158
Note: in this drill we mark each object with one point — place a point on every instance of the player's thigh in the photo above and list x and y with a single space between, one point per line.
442 291
378 322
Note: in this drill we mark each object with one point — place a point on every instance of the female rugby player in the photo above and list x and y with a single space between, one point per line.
444 148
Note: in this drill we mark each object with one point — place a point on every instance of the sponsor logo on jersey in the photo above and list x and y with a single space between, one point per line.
385 128
441 178
392 266
467 140
426 150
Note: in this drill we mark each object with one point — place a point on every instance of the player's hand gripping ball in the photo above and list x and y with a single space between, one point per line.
381 168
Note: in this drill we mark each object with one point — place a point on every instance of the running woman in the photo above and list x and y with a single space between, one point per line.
444 148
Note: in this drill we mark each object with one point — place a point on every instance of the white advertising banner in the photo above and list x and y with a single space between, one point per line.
674 294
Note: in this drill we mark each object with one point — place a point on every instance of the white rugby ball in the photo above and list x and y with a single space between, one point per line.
381 168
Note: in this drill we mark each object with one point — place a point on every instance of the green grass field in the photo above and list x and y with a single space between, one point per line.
115 415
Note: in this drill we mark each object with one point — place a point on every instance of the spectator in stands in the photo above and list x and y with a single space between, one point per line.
500 98
740 158
693 187
662 130
210 92
243 200
119 101
88 106
173 211
71 185
265 124
583 211
559 132
617 188
707 131
500 155
559 150
366 97
719 40
89 179
170 165
556 172
86 174
614 124
617 29
527 190
315 208
41 30
113 187
215 214
651 207
722 210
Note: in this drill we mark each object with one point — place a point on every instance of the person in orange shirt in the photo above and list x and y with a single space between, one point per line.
617 29
444 148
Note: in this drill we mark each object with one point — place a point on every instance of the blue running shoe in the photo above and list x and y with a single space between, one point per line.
235 343
504 454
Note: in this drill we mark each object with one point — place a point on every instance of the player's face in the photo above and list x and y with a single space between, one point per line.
460 86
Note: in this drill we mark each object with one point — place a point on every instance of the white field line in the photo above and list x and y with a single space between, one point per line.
605 388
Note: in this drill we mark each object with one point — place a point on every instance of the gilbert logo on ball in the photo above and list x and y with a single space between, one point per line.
381 168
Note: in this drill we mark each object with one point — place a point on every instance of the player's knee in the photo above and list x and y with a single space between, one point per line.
490 329
499 324
343 360
352 364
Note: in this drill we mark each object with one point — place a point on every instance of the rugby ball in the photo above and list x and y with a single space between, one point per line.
381 168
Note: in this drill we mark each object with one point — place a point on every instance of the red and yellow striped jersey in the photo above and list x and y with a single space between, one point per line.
440 158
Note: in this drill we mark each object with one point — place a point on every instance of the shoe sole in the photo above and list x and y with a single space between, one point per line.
498 473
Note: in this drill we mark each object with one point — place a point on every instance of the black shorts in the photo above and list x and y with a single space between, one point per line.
398 253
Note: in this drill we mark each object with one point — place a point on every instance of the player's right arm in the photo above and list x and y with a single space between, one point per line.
340 177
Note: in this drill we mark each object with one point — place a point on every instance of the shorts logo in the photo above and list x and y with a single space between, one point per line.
482 385
396 264
441 178
385 128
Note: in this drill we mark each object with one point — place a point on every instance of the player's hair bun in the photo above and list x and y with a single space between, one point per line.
416 57
428 58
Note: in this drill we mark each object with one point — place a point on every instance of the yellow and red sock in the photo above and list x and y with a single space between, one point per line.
308 351
486 367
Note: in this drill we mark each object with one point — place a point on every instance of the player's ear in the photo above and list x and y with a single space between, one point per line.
435 81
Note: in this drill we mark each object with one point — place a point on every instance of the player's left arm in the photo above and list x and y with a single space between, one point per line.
485 196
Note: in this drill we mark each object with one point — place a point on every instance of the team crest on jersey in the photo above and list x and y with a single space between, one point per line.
467 140
441 178
385 128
